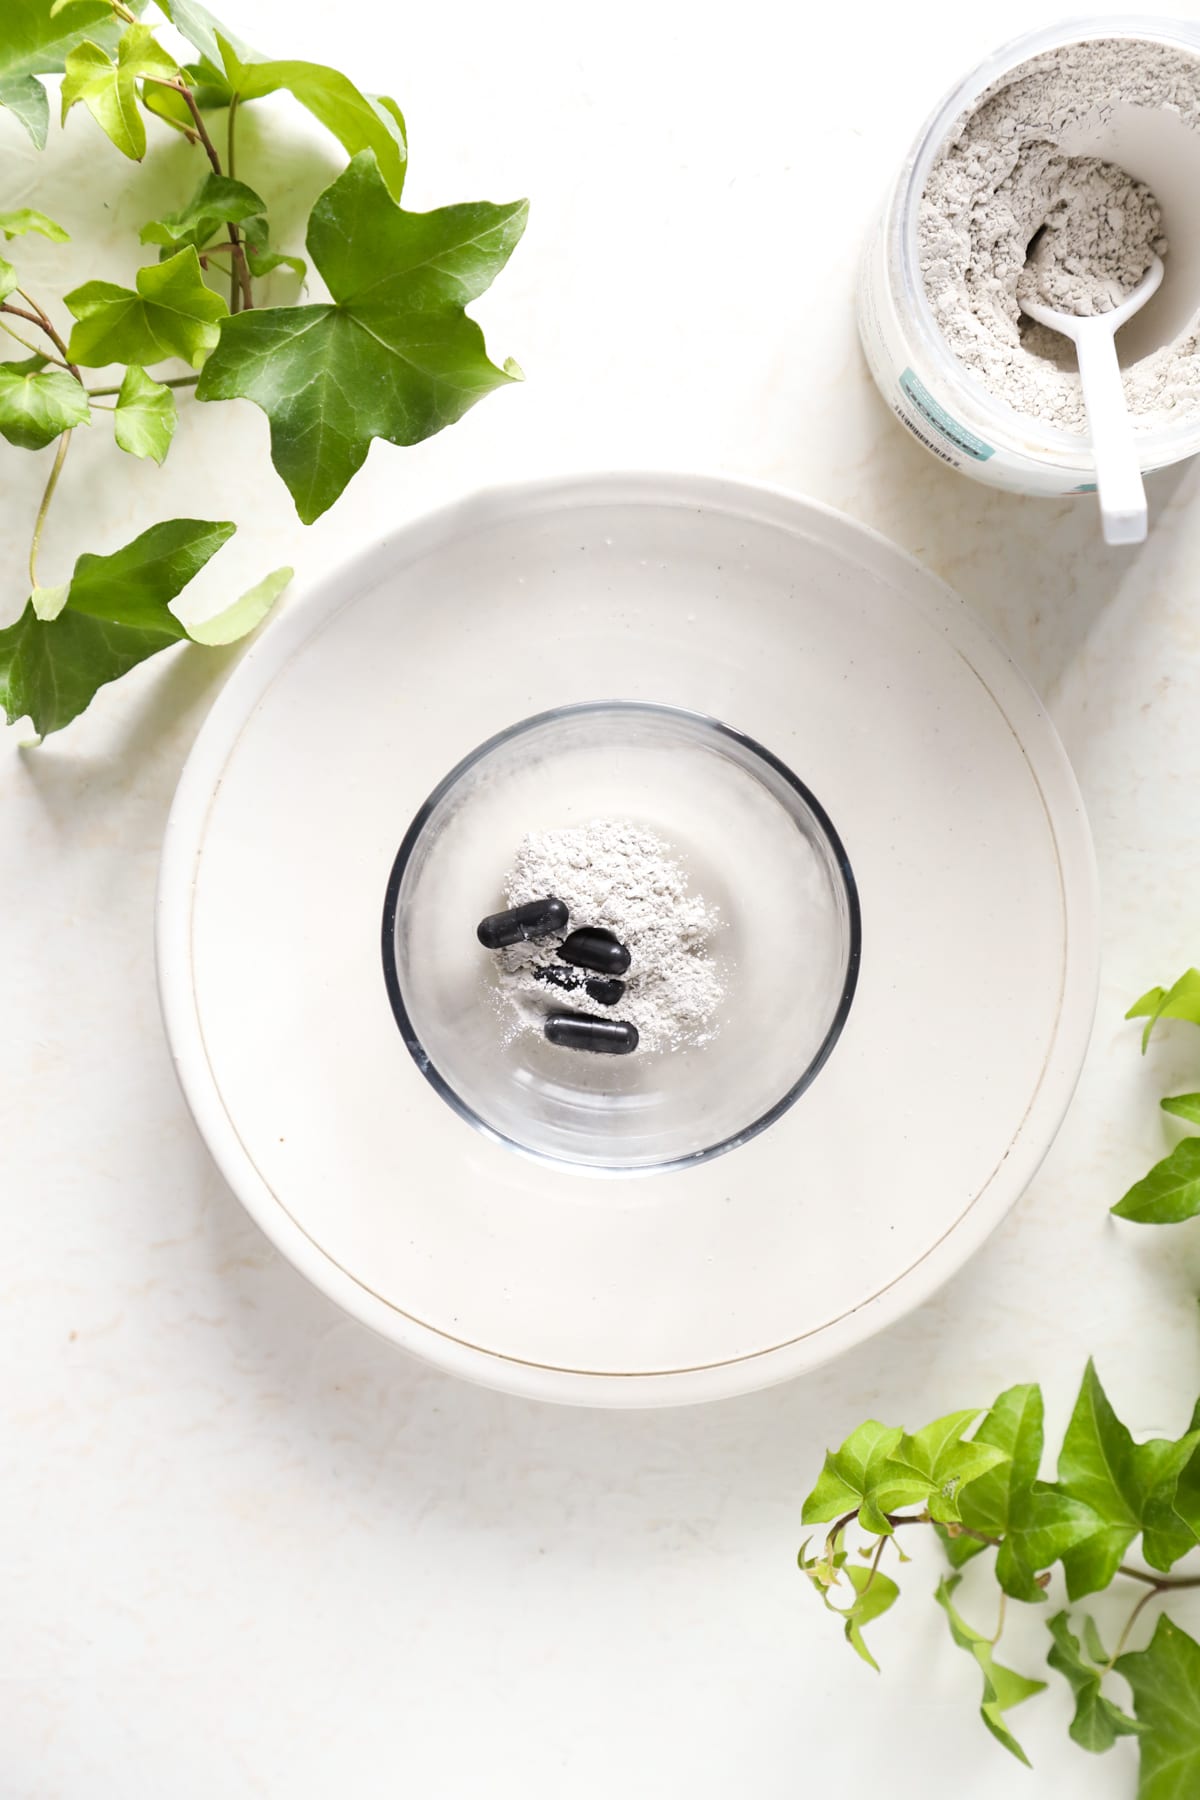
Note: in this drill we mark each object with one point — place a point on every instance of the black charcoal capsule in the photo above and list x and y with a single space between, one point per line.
603 989
536 919
581 1031
591 947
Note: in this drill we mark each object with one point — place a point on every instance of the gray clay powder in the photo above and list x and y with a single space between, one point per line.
1007 212
617 875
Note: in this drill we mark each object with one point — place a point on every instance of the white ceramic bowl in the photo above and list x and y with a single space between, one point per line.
862 674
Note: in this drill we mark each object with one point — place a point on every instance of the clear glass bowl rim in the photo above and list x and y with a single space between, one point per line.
409 843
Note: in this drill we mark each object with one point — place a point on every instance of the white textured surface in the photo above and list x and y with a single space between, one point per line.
251 1551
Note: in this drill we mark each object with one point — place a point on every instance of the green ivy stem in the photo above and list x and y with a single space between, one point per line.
25 343
239 274
996 1635
1130 1622
41 318
893 1519
189 99
176 125
64 444
38 316
869 1583
240 291
241 294
1157 1583
875 1561
19 312
174 381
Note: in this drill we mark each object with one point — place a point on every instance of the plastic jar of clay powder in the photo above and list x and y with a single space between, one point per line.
941 329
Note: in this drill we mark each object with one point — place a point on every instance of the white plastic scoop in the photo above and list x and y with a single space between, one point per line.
1118 474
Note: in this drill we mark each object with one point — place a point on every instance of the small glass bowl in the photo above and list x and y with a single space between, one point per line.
752 840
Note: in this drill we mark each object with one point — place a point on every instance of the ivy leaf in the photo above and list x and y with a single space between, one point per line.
194 22
108 88
860 1475
34 42
1037 1523
1172 1521
824 1570
217 202
239 619
1014 1425
355 121
1046 1526
26 100
959 1548
27 218
1165 1678
116 614
1184 1106
1091 1638
1098 1721
145 417
51 671
133 585
37 42
358 121
874 1593
259 254
37 403
8 278
1179 1002
391 355
1101 1466
48 602
172 313
1002 1688
1170 1192
938 1457
1148 1007
209 86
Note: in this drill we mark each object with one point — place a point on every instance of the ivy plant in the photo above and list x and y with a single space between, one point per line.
1117 1513
381 348
983 1494
1171 1190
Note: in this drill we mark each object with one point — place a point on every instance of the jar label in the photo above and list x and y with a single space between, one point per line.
937 416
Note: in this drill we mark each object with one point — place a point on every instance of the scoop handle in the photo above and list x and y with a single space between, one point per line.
1120 489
